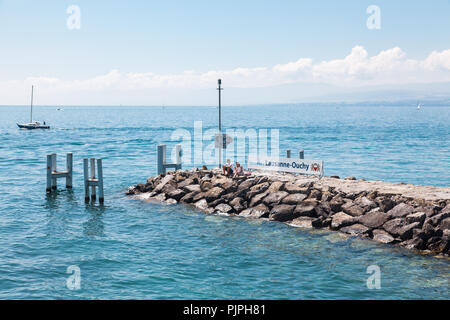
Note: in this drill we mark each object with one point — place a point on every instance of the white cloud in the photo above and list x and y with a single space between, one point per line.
357 69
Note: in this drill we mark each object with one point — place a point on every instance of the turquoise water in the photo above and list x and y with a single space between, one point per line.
133 250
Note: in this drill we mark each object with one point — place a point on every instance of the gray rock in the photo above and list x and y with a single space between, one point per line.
382 236
213 194
224 208
394 226
192 188
341 219
305 210
163 183
176 194
282 213
353 209
276 186
374 219
294 198
436 219
236 203
445 224
260 211
247 184
355 229
275 197
406 232
188 198
385 204
301 222
401 210
257 199
295 188
416 217
201 204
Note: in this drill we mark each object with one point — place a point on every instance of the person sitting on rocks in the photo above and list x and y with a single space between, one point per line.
228 168
238 170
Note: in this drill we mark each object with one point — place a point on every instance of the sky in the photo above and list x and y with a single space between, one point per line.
172 52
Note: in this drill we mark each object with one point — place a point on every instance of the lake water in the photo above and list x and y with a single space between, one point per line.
127 249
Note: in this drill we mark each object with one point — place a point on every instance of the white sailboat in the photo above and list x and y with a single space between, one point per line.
418 106
32 125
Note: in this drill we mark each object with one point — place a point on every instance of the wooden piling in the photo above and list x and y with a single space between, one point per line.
49 173
69 167
93 186
54 180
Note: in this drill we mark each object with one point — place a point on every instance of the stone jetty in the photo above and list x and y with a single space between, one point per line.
415 217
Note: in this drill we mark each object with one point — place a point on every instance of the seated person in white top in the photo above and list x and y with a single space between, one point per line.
227 168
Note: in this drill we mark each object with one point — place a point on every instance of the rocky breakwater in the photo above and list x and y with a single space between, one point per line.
415 217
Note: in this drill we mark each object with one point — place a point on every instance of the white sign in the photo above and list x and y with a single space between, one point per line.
292 165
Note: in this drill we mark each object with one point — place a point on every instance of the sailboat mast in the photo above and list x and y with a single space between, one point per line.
31 113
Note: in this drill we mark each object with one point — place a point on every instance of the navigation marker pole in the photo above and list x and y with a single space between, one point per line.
220 121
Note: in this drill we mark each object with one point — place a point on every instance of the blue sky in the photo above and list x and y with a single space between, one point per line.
169 38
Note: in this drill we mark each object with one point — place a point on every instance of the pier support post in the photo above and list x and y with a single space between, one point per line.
288 153
93 191
54 183
53 174
162 163
86 179
69 165
49 173
301 154
91 181
101 195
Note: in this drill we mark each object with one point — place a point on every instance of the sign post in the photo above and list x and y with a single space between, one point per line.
220 119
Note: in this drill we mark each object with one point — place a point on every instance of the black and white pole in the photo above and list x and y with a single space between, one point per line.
220 120
53 174
92 182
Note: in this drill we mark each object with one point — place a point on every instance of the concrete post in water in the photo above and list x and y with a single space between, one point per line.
162 163
53 174
301 154
69 167
288 153
49 173
91 181
86 179
101 195
54 183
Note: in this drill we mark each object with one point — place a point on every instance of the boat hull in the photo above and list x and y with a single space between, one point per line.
32 126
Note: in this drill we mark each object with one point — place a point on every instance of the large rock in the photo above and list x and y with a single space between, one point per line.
237 204
341 219
275 197
416 217
436 219
163 183
192 188
260 211
294 198
336 205
366 204
305 210
445 224
224 208
355 229
406 232
213 194
385 204
295 188
276 186
382 236
176 194
247 184
394 226
302 222
282 213
401 210
201 204
353 209
188 198
374 219
257 199
260 187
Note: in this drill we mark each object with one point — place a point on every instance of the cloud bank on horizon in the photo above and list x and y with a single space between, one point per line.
356 70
